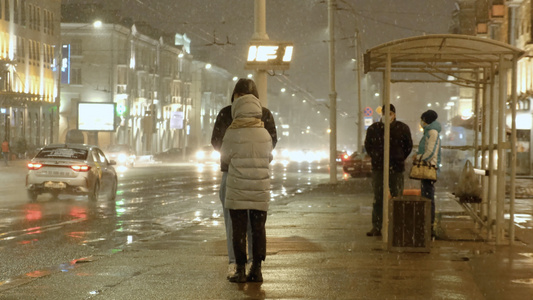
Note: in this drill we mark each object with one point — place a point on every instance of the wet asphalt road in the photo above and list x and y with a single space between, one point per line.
152 199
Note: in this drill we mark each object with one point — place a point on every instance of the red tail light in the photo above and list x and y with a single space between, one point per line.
80 168
345 156
34 166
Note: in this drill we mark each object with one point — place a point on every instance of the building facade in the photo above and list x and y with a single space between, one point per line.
509 22
29 43
163 98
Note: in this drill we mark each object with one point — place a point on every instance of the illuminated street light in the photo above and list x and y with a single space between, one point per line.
97 24
235 78
208 66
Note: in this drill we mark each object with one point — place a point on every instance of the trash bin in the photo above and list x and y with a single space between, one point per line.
409 224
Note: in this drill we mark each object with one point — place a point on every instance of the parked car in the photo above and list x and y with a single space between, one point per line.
71 169
207 154
358 165
123 154
169 155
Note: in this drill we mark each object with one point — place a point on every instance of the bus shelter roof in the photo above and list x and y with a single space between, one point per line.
446 57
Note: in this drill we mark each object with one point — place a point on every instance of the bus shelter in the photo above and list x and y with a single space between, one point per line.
489 67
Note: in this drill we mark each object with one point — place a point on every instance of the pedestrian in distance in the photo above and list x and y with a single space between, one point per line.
429 150
223 121
247 149
401 145
5 151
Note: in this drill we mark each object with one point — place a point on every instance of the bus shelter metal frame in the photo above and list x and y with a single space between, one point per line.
468 61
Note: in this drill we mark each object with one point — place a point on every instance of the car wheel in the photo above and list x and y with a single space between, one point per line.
113 191
93 195
32 195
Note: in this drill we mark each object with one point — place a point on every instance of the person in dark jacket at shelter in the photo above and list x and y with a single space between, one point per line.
401 145
223 121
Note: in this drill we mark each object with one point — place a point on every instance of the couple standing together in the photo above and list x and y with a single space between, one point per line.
245 135
401 145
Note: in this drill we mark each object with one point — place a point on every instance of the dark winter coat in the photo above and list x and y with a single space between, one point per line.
401 145
224 120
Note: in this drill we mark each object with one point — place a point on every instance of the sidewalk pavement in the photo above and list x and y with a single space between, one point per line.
317 249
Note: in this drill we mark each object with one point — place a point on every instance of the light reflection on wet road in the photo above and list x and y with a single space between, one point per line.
151 200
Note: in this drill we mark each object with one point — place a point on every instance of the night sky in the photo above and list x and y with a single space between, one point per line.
304 22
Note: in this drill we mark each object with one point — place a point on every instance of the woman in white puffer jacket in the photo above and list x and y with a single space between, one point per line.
247 149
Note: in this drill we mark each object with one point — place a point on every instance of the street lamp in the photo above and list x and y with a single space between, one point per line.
358 61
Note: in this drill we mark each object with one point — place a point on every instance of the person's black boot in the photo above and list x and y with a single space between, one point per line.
240 275
255 274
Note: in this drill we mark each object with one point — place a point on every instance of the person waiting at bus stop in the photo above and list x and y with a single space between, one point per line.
5 151
401 145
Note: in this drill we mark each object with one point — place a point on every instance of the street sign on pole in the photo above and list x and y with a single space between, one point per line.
368 111
368 122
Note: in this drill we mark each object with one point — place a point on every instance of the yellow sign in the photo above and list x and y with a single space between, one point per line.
269 55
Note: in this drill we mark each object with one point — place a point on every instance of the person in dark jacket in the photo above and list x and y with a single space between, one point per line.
223 121
401 145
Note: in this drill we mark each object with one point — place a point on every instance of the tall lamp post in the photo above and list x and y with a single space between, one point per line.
260 35
332 5
358 60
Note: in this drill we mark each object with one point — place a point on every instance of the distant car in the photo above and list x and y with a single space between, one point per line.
358 165
207 154
71 169
123 154
169 155
341 157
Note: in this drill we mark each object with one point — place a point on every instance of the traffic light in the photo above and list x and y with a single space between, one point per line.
121 109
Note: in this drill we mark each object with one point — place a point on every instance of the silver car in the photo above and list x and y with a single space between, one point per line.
71 169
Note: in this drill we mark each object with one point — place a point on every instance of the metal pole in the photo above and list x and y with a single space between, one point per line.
484 141
477 121
501 162
332 5
260 35
386 150
360 124
514 84
492 175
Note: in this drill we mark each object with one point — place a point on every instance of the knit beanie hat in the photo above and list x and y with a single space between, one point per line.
429 116
391 107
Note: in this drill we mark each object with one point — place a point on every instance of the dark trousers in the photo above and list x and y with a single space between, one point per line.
395 188
239 222
427 189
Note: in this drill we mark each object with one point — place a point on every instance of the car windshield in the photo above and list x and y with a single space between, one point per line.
69 153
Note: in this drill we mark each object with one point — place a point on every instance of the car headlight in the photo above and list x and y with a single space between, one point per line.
122 157
200 155
215 155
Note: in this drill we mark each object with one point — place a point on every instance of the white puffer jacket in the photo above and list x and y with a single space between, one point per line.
247 149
